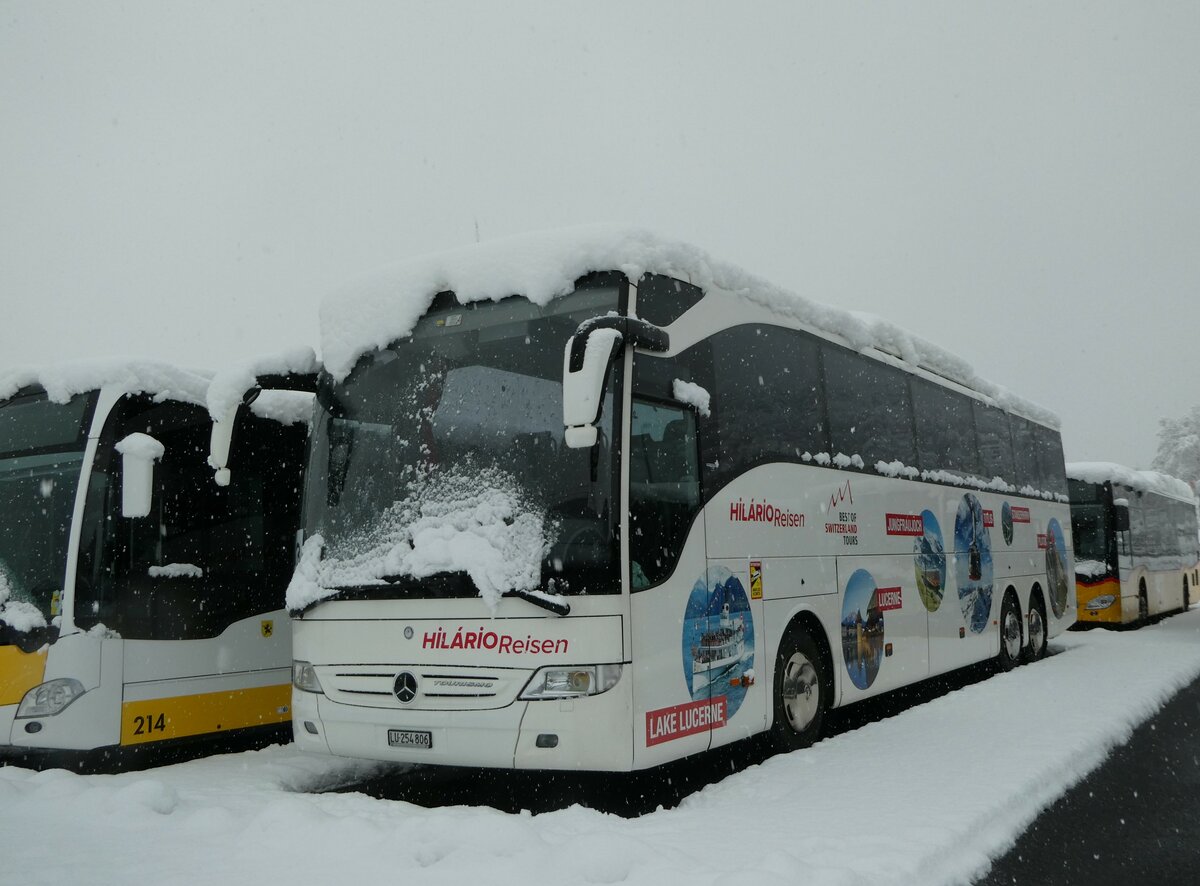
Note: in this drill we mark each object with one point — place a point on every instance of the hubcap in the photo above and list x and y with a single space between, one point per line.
1037 632
801 694
1012 633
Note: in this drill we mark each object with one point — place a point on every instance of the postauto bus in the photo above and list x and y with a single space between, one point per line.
1135 543
140 601
610 523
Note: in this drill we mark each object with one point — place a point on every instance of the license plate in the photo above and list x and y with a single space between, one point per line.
403 738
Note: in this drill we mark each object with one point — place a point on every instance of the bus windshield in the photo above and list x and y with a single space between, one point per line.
438 466
41 453
1091 525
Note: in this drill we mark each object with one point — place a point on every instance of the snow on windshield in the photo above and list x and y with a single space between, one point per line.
384 306
18 614
1141 481
462 519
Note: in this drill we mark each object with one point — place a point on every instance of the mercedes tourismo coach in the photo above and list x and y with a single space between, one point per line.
141 601
1135 542
624 516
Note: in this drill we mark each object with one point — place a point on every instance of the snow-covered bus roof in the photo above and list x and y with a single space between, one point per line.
1099 472
62 381
377 309
230 383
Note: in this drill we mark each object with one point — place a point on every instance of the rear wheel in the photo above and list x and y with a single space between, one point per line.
1010 633
801 692
1143 602
1036 648
1187 595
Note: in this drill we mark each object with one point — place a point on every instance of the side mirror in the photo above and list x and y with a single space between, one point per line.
138 454
589 351
220 443
1121 518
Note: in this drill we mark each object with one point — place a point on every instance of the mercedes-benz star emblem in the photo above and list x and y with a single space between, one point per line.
406 687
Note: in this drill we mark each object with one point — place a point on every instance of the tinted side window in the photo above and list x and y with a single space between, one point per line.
1024 454
663 300
869 410
1052 473
767 403
945 429
995 443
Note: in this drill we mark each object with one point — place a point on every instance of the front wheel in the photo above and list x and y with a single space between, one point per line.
1010 633
801 692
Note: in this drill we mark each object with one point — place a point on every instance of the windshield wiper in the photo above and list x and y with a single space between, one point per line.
550 604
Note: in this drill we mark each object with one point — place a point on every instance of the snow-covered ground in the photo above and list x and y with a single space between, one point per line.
927 796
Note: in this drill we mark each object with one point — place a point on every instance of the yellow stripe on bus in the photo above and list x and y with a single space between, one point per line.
211 712
19 672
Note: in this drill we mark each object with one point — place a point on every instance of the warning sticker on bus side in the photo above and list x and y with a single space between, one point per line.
755 579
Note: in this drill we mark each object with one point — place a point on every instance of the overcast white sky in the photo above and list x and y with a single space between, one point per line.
1017 182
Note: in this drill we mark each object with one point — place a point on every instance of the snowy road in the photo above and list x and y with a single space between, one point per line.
927 796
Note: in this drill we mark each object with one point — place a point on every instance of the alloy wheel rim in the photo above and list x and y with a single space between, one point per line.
801 694
1037 632
1012 634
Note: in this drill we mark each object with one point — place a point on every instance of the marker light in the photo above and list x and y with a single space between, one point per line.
1101 602
50 698
304 677
571 682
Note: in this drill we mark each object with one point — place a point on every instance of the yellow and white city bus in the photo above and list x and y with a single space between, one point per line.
1135 543
140 600
594 500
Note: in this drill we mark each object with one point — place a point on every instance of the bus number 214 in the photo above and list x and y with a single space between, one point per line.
148 724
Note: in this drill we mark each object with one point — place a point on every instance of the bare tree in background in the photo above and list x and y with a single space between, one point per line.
1179 447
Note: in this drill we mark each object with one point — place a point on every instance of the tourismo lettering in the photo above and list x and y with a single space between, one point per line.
667 724
889 598
1020 515
491 641
763 512
905 524
989 519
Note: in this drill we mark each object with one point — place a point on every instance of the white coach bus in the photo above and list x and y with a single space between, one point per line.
647 505
141 595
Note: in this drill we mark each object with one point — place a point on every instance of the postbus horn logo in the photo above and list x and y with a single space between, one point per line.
406 687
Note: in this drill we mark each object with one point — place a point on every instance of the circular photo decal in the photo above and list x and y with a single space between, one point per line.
929 555
973 563
1006 524
718 639
862 629
1056 568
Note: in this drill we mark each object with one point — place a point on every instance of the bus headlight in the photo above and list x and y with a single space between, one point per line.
571 682
1101 602
304 677
50 698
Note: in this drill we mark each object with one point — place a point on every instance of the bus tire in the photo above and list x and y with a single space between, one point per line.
1010 633
801 691
1035 649
1187 595
1143 602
